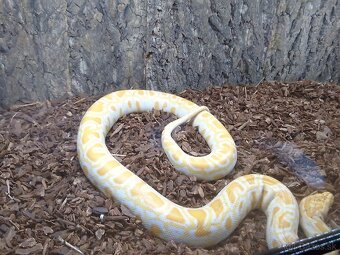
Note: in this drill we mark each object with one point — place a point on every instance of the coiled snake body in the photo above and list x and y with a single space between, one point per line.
216 220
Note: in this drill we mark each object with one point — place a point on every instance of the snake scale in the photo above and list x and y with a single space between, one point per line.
207 225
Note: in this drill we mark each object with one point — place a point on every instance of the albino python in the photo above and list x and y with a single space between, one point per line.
199 227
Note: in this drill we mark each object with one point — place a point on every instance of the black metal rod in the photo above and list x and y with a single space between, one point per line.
317 245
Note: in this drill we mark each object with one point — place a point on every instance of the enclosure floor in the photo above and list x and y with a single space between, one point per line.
288 131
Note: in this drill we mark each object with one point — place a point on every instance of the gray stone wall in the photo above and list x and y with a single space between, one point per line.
51 49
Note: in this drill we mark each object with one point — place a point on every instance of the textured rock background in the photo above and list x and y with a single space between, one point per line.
51 49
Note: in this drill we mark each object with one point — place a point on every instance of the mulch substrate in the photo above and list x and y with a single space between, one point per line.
47 206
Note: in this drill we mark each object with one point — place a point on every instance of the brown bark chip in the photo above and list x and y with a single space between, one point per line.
47 206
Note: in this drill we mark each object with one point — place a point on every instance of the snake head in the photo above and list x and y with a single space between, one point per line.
317 205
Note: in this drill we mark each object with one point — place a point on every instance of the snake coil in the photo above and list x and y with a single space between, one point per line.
208 225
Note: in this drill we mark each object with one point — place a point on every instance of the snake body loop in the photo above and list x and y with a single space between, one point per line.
204 226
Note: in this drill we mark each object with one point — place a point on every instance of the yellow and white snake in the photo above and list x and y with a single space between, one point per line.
199 227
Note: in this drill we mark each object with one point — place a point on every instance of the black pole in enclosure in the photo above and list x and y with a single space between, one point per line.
317 245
